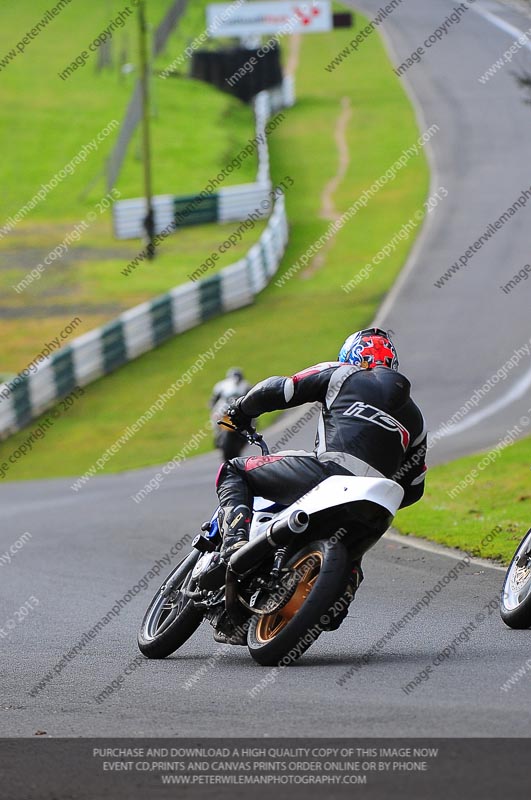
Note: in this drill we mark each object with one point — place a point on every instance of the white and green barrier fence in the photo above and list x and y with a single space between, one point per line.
227 204
143 328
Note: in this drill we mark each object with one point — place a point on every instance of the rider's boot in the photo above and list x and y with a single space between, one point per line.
231 635
354 580
356 577
234 526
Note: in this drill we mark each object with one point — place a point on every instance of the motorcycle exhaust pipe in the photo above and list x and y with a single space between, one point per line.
280 532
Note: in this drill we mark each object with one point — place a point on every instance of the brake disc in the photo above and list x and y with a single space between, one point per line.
520 577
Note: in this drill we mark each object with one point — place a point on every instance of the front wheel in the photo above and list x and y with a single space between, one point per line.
171 617
280 638
515 602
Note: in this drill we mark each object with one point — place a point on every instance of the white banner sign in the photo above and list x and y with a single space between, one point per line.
276 16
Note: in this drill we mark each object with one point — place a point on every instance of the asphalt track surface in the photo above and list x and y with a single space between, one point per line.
89 548
455 338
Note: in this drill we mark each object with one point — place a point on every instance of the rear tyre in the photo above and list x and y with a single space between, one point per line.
515 601
280 638
171 617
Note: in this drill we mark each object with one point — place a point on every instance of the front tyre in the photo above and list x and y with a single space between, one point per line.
280 638
171 617
515 602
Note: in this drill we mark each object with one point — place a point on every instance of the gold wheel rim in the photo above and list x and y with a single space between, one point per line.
309 567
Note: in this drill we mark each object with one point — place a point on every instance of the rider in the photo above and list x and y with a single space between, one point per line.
369 426
224 393
234 385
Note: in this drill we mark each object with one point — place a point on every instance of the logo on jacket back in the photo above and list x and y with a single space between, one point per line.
378 417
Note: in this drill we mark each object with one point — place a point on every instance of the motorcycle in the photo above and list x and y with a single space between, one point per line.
288 584
515 601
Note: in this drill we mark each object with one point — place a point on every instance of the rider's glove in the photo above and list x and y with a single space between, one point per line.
238 418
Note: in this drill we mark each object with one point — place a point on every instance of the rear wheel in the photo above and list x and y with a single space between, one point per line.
171 617
280 638
515 603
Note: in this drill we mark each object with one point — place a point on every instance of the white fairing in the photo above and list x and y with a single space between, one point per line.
334 491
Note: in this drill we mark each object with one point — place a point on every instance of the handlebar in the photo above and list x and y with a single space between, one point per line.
250 434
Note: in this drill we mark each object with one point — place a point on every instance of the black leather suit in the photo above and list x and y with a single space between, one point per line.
368 426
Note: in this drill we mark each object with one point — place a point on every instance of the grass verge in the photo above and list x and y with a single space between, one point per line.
290 326
499 497
196 131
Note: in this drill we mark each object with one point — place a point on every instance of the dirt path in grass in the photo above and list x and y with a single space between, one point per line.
294 54
328 210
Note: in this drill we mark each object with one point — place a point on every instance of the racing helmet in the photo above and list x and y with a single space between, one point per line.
236 373
369 348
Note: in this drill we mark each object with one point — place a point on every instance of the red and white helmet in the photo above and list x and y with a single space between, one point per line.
369 348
